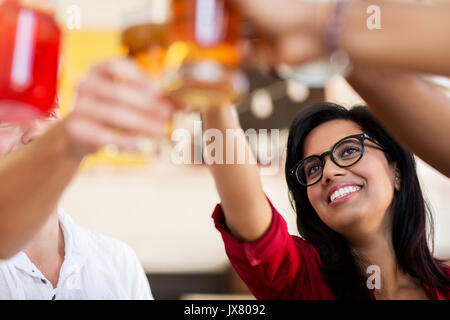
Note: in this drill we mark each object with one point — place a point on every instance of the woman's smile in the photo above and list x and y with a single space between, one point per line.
343 194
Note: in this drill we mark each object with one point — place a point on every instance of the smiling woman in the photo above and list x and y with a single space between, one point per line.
359 204
383 208
372 173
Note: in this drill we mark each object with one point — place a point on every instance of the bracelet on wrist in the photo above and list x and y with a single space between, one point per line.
339 59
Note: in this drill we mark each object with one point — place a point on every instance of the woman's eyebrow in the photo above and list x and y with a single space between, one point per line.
329 148
319 154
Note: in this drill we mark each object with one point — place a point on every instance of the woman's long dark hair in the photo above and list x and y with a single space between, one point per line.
409 236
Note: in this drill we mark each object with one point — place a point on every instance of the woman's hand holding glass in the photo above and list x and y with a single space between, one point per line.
292 29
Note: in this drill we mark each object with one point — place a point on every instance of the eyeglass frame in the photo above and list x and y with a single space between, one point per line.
361 137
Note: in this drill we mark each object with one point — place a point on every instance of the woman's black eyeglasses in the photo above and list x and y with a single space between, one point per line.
345 153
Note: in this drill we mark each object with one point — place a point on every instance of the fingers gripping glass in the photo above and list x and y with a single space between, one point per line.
345 153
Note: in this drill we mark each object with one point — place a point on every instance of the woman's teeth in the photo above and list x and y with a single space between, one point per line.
343 192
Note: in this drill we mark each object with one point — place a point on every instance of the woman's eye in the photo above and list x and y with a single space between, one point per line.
349 151
313 170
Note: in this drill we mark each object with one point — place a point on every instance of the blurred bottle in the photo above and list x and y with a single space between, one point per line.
202 62
29 58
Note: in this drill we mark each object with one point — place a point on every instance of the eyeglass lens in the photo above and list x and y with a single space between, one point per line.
344 154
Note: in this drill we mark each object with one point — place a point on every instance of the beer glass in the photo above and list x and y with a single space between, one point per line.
145 38
145 35
202 60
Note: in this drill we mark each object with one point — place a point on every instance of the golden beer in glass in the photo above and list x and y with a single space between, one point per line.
202 60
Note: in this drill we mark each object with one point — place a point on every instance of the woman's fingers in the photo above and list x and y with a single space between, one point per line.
276 17
295 49
259 53
285 32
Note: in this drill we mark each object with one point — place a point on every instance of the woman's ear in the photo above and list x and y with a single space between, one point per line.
397 178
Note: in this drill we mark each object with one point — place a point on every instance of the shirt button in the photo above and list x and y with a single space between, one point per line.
44 281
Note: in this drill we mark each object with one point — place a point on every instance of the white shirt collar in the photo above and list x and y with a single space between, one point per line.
74 257
75 246
94 267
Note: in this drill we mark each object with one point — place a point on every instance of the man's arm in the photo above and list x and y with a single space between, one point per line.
32 180
117 104
414 112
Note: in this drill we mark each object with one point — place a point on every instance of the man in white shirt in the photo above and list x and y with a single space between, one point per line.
82 264
116 104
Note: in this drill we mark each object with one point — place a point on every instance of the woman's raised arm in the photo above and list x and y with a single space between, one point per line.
247 211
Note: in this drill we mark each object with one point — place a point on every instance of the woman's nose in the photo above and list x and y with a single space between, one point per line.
331 171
